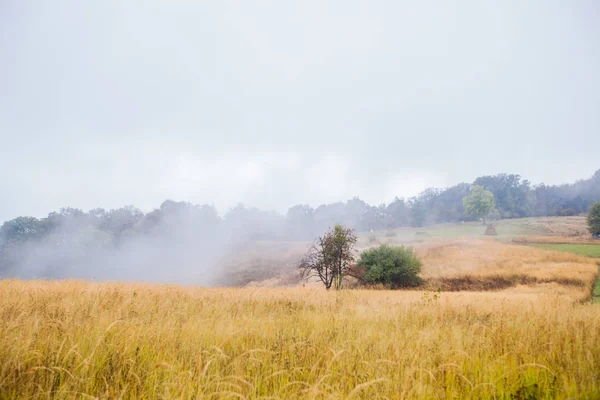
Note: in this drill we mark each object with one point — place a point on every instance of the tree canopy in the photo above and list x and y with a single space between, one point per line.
479 203
331 257
394 266
594 219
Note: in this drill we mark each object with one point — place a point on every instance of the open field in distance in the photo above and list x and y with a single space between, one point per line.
545 227
493 319
589 250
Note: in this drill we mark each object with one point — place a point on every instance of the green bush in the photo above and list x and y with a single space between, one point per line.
594 219
391 266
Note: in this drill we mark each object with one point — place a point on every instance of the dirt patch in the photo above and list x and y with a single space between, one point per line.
491 283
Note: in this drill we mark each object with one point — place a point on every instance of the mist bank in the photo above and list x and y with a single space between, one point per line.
180 242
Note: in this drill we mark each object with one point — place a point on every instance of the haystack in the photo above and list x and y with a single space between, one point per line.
490 231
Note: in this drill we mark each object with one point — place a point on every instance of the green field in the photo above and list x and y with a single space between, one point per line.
590 250
507 229
596 291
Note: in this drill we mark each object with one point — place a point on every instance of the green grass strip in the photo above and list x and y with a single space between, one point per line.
590 250
596 291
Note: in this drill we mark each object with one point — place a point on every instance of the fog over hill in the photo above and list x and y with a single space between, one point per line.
187 243
295 107
278 103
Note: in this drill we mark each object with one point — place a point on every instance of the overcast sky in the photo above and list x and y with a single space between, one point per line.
275 103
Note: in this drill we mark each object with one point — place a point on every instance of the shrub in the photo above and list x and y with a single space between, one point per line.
593 219
392 266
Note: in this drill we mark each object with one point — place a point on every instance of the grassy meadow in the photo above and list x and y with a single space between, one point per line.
493 320
69 339
590 250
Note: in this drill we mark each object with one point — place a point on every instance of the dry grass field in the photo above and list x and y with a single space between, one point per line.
493 320
78 340
493 265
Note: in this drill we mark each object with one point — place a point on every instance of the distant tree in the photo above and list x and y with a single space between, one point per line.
327 215
21 229
121 219
331 257
513 196
418 212
388 265
300 222
479 203
397 213
593 219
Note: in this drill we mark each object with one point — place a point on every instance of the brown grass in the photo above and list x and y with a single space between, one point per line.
74 339
492 265
512 323
556 226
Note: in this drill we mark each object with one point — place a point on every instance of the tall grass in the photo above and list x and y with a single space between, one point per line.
492 265
73 339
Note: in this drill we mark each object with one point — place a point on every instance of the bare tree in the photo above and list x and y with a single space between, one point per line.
331 257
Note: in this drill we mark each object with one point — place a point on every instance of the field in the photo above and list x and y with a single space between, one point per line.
492 320
585 248
590 250
63 339
572 227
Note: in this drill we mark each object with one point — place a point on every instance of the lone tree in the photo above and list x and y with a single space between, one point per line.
331 257
593 219
479 203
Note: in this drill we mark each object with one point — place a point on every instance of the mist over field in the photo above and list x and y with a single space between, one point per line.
339 199
184 243
292 109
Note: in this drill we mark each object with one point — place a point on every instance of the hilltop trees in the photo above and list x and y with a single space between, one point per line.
513 196
480 203
593 219
183 228
331 257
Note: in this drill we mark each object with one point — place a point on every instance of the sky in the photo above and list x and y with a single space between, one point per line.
277 103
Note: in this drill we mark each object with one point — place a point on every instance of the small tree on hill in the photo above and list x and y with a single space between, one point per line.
331 257
392 266
593 219
479 203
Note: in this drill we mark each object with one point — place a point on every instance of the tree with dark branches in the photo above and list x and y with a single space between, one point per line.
331 257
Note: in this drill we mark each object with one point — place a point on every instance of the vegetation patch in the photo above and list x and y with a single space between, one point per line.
390 266
589 250
596 291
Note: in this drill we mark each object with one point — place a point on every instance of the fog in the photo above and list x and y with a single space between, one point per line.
180 242
279 104
177 243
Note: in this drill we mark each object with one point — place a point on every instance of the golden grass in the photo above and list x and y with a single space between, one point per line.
515 324
555 226
73 339
490 264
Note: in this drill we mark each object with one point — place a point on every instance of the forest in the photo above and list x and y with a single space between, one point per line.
129 241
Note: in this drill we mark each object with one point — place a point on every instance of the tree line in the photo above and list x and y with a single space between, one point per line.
72 234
